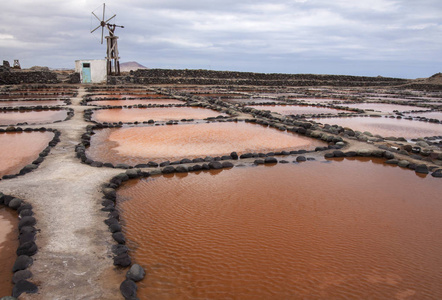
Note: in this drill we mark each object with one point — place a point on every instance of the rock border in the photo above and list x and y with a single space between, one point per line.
27 246
390 159
34 165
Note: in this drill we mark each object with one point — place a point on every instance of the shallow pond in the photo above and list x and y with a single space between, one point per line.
32 116
135 145
20 149
298 109
386 126
387 108
8 246
349 229
161 101
154 113
429 115
128 96
18 103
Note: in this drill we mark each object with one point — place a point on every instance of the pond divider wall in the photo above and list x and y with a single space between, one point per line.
27 246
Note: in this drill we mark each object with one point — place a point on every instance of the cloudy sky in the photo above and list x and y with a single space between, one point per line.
396 38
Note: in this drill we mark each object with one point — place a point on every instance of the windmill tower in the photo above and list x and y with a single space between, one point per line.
113 63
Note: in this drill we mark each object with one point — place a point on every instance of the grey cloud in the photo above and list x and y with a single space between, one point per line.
298 36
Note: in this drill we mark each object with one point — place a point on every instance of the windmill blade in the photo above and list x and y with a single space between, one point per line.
102 33
111 18
96 17
104 9
96 28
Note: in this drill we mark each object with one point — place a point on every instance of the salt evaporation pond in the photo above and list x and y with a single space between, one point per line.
256 100
429 115
298 109
127 96
8 247
386 126
136 145
154 113
32 116
18 103
342 230
387 108
160 101
34 96
19 149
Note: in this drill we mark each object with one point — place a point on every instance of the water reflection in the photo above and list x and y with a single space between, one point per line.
136 145
322 231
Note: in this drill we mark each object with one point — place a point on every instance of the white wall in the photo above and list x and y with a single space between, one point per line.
98 69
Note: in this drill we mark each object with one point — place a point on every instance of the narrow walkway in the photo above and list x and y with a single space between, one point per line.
74 259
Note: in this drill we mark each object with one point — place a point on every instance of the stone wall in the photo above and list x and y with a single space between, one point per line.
207 77
8 76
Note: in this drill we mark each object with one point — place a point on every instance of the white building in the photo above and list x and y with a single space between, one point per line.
92 70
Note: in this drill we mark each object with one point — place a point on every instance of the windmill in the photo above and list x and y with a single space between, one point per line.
113 63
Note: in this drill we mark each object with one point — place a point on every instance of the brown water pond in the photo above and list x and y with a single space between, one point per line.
19 149
387 108
154 113
32 117
18 103
386 126
163 101
342 230
298 109
135 145
8 246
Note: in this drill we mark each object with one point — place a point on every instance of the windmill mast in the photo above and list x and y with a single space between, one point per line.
112 55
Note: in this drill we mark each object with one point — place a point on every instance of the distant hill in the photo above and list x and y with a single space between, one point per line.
130 66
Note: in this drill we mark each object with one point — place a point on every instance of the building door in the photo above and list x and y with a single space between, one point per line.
86 73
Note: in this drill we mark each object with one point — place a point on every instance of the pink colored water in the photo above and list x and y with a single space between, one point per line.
256 100
19 149
8 246
155 113
162 101
127 96
298 109
18 103
386 126
343 230
388 108
32 117
34 96
134 145
430 115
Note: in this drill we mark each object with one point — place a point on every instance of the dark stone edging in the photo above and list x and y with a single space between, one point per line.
34 165
70 114
391 160
27 246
